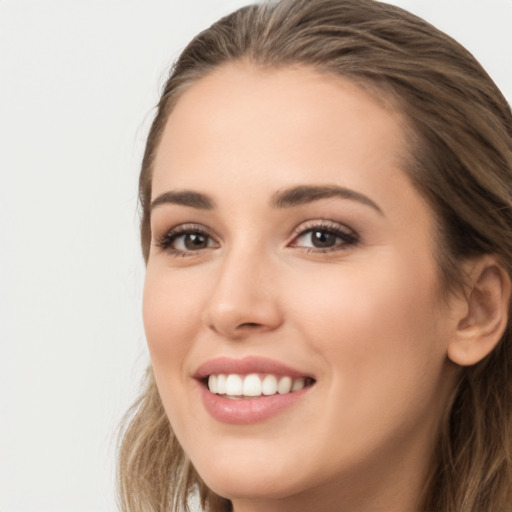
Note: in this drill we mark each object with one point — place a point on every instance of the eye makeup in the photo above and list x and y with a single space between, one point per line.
317 236
324 236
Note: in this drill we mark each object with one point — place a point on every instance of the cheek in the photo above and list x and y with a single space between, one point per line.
383 351
170 317
379 328
385 299
171 322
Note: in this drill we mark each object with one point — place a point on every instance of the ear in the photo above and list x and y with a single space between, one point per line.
485 312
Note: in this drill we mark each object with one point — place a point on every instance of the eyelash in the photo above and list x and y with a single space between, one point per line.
348 237
169 238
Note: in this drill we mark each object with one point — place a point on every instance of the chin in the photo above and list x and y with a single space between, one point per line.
253 489
252 481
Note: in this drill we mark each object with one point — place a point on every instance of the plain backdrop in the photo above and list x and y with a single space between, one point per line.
78 82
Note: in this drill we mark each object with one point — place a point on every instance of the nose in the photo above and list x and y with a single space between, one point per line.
244 298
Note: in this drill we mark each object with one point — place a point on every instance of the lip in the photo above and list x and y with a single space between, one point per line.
246 365
249 410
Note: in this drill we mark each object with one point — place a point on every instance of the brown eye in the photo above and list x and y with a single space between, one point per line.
323 239
184 240
195 241
326 238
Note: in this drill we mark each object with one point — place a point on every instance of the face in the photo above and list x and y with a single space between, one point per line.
292 266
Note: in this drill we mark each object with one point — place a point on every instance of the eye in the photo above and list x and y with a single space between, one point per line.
325 237
184 240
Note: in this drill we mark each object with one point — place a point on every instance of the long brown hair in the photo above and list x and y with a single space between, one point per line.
460 159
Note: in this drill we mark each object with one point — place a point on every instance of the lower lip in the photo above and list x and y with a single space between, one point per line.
248 410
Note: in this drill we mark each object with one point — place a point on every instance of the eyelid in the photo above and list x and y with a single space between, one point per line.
324 224
347 234
164 240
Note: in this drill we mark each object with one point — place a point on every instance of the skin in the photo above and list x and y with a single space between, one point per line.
366 319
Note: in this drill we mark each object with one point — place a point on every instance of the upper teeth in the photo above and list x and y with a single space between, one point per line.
253 384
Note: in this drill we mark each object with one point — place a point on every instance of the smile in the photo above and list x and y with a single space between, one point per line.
249 390
254 385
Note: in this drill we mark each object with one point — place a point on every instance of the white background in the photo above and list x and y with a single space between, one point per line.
78 81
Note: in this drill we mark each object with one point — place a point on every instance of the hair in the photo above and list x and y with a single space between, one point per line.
459 133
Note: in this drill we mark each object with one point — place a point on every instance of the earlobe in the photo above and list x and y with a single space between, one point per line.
486 312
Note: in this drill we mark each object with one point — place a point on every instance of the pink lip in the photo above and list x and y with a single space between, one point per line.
252 410
247 411
244 366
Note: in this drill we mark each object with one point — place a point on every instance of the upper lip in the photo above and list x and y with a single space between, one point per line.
246 365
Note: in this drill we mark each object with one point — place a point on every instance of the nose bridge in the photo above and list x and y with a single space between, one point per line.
244 297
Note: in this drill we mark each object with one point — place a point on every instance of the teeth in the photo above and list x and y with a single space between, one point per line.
253 385
269 385
284 385
234 385
212 383
298 384
221 384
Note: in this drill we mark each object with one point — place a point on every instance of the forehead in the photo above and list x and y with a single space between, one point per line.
281 127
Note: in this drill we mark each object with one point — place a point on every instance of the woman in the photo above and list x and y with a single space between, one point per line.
327 226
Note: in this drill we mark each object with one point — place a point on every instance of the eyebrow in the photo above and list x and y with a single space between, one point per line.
304 194
287 198
184 198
